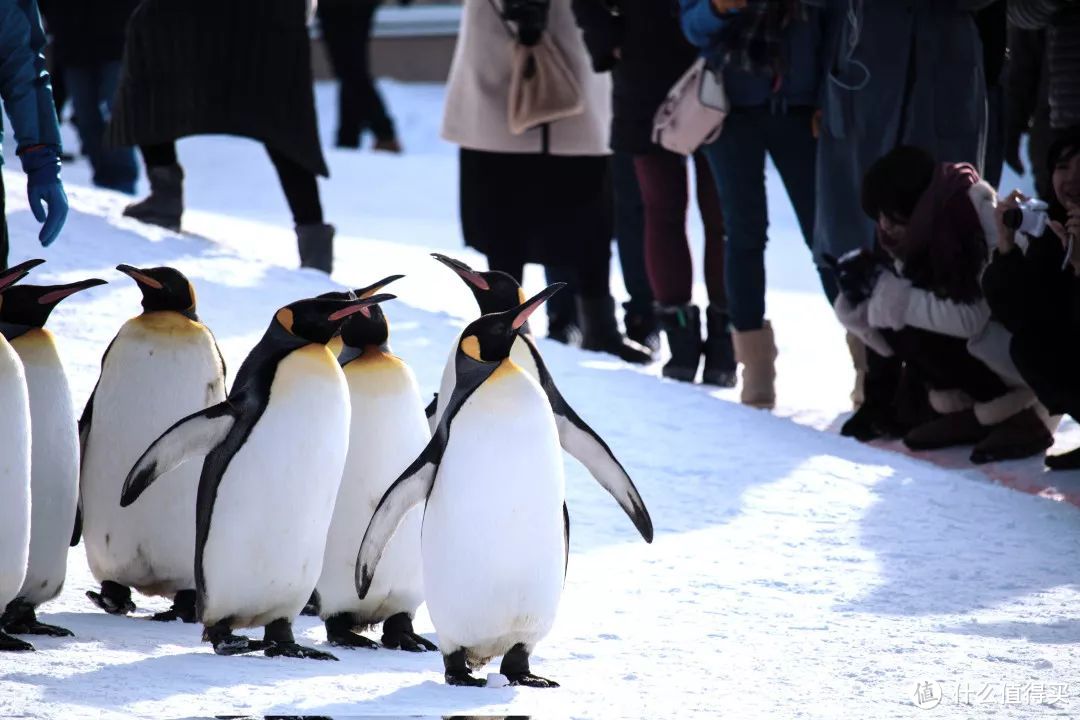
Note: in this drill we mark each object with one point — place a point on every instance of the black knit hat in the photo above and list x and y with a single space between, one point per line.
1064 141
894 183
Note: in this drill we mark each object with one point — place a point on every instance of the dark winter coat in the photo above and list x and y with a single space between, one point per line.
801 55
197 67
1039 303
24 84
1061 18
653 54
87 32
1027 93
912 75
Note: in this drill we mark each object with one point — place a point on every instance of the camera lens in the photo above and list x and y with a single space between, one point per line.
1012 218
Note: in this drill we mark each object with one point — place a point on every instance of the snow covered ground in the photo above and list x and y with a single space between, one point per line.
794 573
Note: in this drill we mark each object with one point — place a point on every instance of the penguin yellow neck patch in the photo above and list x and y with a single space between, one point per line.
521 297
284 318
471 347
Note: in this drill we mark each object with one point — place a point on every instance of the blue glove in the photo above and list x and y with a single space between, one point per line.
41 164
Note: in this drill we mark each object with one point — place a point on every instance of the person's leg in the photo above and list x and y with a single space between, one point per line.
737 160
638 315
341 27
663 181
164 205
563 325
3 226
82 91
720 366
373 111
315 239
114 167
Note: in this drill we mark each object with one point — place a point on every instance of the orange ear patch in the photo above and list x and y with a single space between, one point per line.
471 347
284 318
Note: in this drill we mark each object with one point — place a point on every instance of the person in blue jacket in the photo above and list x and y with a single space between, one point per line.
27 96
769 56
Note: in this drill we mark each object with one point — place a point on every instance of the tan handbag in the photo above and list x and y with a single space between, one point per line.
693 113
543 89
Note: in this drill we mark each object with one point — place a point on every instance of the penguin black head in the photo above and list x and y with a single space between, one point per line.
163 288
494 290
318 320
29 306
490 338
15 273
369 326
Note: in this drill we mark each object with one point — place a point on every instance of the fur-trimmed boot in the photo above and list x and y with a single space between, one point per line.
858 360
756 351
165 203
316 245
720 366
682 326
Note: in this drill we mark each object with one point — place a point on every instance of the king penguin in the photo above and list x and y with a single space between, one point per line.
54 484
491 478
162 365
498 292
388 430
14 466
274 455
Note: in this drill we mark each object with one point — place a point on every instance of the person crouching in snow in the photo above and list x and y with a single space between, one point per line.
1034 289
926 310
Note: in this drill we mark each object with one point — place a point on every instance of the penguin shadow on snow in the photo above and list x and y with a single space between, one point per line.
426 694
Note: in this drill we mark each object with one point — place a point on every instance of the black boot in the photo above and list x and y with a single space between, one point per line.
876 417
1064 461
165 203
682 325
600 332
643 327
316 245
720 365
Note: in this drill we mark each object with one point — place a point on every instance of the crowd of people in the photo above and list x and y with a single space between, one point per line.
888 122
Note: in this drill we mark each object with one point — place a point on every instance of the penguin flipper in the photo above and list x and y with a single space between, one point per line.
588 448
76 532
194 436
408 491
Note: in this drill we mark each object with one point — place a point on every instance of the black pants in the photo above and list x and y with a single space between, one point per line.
346 28
944 363
1048 364
630 233
301 189
3 227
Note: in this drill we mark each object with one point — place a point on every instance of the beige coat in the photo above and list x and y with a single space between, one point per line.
477 94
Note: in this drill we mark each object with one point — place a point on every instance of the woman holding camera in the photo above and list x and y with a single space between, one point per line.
927 310
1035 290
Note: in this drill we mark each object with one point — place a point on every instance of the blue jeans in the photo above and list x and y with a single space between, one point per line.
737 159
91 89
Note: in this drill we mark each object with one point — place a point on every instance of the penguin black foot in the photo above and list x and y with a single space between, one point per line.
293 650
225 643
10 644
339 631
515 666
183 608
312 607
20 619
398 633
114 598
457 671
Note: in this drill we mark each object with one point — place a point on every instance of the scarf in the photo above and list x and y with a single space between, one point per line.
753 39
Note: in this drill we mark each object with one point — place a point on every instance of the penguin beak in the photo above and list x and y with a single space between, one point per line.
140 277
522 312
464 271
59 293
16 273
364 293
359 305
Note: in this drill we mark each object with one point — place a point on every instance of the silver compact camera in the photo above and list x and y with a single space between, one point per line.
1029 218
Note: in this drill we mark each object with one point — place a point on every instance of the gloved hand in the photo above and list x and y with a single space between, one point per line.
889 302
530 16
41 163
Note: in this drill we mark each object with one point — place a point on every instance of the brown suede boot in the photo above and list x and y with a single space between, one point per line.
756 351
958 428
1020 436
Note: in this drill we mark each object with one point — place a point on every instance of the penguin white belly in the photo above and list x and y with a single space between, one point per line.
388 431
264 549
161 368
493 525
519 353
14 474
54 466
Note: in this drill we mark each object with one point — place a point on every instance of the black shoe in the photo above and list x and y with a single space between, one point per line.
643 328
600 332
720 365
564 330
165 203
871 422
1065 461
316 245
682 326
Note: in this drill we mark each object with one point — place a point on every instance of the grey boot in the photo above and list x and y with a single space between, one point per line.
316 245
600 332
165 203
